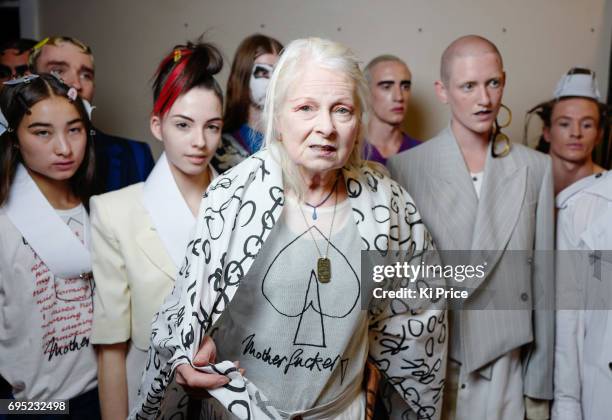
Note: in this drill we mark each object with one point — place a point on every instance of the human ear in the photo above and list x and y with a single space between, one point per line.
441 91
155 126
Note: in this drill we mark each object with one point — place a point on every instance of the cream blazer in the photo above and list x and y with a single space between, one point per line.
132 269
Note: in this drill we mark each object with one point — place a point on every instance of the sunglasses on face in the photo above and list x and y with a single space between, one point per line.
7 73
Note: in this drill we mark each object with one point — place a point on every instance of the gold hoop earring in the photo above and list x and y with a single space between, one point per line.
500 137
507 123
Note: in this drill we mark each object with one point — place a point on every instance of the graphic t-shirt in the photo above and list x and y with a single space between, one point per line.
45 321
302 342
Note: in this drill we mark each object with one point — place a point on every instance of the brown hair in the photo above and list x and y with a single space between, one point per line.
15 102
238 93
545 110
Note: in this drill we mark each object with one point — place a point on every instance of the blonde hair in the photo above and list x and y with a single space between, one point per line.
385 58
56 41
326 54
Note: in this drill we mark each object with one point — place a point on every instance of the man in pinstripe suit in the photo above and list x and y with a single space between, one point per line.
478 192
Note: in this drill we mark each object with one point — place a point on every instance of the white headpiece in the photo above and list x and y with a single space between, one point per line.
578 82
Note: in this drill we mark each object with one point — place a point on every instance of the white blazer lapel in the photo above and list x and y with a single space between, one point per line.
28 209
169 212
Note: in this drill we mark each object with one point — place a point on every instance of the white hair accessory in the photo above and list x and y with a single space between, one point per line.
25 79
3 124
578 82
72 94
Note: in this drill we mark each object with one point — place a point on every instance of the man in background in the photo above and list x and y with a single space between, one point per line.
390 83
119 162
14 56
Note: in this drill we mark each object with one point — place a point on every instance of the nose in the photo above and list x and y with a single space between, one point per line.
72 79
576 130
199 140
325 124
397 94
484 98
62 146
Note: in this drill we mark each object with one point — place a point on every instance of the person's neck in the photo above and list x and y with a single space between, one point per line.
473 146
192 187
566 173
254 117
319 186
59 194
385 137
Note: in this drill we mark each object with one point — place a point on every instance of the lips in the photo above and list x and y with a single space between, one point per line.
64 165
323 149
398 110
484 115
197 159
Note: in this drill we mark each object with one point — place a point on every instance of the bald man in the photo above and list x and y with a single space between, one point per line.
390 83
478 192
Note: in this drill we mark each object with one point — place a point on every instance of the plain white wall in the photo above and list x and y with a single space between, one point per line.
539 40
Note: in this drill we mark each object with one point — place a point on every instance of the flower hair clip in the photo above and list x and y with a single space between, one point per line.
72 94
177 55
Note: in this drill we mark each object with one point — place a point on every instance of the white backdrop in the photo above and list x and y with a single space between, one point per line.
539 41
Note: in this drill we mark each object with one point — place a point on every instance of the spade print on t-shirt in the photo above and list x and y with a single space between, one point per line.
306 298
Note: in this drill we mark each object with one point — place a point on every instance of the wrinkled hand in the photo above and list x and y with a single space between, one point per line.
196 383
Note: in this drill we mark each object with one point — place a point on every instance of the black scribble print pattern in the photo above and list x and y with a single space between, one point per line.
240 208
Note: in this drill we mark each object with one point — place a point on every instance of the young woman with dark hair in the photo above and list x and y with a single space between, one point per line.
139 233
246 92
46 168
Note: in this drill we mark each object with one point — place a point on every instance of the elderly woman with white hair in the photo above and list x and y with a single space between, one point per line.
272 278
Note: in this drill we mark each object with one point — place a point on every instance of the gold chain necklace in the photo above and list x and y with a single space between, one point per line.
323 262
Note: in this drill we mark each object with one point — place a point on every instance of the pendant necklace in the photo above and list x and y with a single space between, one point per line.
314 208
323 262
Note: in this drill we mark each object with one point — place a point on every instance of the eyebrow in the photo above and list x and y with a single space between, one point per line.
312 99
569 117
44 125
39 124
57 63
192 120
185 117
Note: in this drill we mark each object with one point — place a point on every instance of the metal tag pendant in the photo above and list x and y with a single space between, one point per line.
324 270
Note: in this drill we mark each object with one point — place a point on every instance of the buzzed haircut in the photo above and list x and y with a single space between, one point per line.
463 46
56 41
384 58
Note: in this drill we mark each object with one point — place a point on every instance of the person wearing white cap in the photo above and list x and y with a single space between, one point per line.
574 123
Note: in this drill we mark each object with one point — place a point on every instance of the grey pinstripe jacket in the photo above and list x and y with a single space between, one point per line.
515 212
